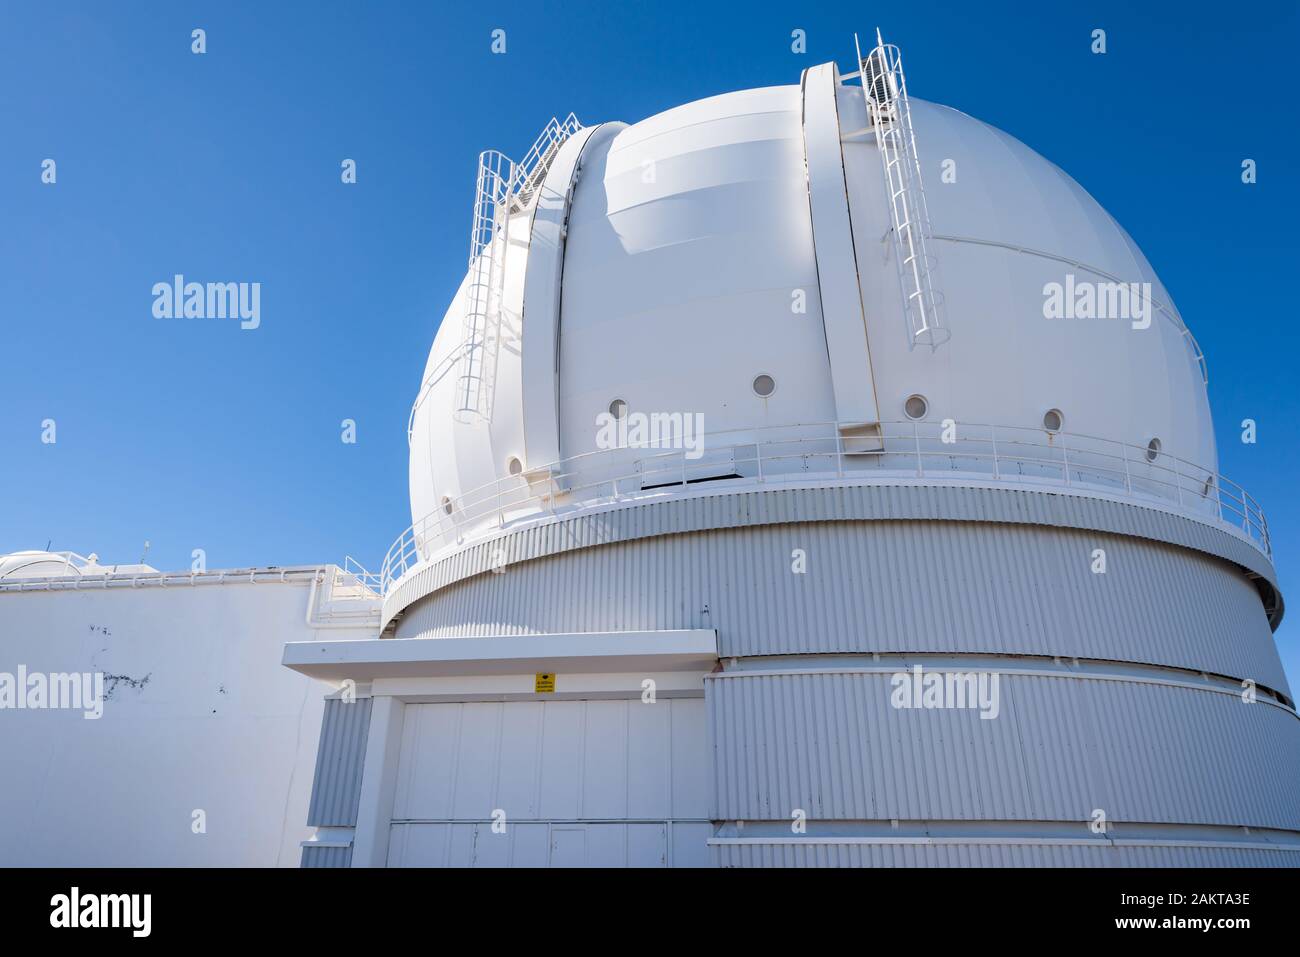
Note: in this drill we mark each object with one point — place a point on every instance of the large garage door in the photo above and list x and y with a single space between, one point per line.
566 784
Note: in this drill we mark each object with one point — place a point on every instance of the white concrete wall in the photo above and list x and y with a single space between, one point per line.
209 720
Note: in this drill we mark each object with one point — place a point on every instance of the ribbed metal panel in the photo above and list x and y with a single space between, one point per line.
886 586
832 745
930 502
325 856
996 855
339 761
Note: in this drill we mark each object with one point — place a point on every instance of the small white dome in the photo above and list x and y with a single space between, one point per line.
36 564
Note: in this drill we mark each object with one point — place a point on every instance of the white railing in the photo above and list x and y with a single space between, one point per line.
808 453
350 580
108 576
532 169
352 574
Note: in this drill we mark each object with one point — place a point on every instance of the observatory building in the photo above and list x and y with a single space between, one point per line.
803 476
768 510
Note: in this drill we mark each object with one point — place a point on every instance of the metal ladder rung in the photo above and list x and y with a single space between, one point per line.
503 187
885 90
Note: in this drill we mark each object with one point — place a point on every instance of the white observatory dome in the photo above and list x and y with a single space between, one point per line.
773 402
39 564
669 264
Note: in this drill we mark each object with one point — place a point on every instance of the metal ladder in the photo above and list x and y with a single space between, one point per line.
503 187
889 115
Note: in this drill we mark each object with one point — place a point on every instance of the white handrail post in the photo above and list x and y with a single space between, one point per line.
993 435
916 439
758 458
1128 480
1065 458
839 450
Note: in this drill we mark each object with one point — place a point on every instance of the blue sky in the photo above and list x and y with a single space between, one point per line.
226 166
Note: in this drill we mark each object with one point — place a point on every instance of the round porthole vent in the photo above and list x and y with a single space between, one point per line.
916 407
764 385
1153 450
513 465
1053 420
618 408
446 504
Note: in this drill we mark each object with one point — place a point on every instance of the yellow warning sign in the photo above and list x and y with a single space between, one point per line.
544 684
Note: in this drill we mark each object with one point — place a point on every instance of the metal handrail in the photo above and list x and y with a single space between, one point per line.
531 170
800 453
353 572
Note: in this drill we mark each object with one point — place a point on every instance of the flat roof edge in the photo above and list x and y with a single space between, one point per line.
574 653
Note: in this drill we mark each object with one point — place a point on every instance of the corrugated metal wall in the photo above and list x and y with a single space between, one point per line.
548 844
832 745
941 570
1060 508
326 856
542 760
996 855
610 783
886 586
340 758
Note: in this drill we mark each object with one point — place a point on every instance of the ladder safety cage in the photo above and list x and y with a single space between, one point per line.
890 118
502 187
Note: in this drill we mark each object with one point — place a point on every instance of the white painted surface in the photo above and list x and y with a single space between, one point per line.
581 783
837 266
684 650
449 457
25 565
214 723
690 231
541 304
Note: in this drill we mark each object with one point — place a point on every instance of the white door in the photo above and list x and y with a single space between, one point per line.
552 784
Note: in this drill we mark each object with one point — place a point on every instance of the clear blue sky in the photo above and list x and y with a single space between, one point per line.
226 166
